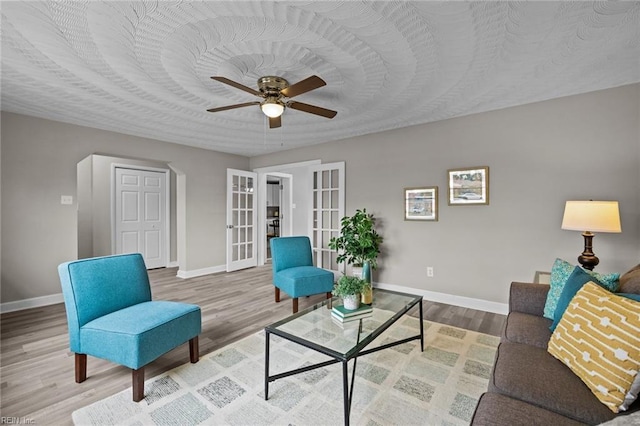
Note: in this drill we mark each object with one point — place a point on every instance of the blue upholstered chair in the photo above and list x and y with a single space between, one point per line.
111 316
293 270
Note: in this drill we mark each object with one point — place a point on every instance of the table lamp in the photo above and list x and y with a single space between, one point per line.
589 217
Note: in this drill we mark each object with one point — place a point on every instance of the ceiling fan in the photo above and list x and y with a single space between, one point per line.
277 95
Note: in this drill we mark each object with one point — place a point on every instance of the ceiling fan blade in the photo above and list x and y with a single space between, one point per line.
275 122
303 86
312 109
224 108
237 85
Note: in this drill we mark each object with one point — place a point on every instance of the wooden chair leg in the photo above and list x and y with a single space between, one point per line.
295 305
194 351
138 384
81 368
330 304
277 294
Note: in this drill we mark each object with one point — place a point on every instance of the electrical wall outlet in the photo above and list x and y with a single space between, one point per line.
66 199
430 271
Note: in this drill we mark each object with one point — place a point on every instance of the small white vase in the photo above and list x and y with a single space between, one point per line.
351 302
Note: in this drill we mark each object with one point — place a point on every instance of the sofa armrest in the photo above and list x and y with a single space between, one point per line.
528 298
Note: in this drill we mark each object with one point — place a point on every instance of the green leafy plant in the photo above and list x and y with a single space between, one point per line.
358 241
349 285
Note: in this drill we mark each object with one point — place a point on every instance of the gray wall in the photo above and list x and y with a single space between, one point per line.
39 164
539 155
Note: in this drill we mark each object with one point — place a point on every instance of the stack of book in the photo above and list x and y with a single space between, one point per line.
341 314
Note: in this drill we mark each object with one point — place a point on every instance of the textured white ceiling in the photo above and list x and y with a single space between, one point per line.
143 68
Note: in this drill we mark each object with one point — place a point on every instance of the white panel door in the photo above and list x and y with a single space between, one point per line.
327 209
140 215
241 220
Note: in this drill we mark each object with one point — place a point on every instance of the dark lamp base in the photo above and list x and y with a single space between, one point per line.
587 259
588 262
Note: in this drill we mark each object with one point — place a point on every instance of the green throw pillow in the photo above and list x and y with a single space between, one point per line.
560 273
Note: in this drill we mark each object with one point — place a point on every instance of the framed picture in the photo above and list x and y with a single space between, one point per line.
421 203
469 186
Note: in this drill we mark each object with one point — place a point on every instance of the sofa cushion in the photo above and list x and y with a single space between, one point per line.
560 272
632 419
527 329
530 374
496 409
576 280
630 281
598 338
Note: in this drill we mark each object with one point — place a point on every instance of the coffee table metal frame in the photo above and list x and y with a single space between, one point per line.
355 352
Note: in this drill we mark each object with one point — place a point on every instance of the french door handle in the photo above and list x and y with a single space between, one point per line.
229 226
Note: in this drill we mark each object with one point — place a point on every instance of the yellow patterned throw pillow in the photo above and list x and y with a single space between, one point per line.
598 338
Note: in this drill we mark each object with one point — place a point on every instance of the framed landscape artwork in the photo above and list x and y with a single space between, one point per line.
421 203
469 186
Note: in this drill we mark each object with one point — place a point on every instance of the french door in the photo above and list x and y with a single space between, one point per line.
327 209
241 219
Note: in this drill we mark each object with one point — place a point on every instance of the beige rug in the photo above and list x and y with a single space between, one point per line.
399 385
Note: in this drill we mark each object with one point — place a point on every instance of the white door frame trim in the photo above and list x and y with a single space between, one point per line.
167 230
276 170
279 167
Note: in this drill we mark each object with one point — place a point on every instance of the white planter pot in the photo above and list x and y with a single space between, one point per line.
351 302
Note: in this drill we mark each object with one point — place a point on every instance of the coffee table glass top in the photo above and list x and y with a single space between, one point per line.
316 328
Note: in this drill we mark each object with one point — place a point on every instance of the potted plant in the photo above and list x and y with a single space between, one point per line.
358 244
349 288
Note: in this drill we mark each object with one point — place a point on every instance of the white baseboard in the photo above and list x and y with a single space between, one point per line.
173 264
201 272
450 299
53 299
34 302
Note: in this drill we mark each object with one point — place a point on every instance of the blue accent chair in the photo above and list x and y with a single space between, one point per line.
111 316
293 270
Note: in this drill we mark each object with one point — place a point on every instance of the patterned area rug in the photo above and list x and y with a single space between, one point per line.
399 385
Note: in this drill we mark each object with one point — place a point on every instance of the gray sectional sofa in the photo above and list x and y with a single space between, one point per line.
528 386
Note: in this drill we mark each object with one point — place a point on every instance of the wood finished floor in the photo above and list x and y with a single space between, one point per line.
36 366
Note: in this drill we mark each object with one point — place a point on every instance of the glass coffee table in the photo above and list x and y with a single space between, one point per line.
315 328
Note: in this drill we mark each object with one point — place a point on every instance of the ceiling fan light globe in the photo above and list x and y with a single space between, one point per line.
272 109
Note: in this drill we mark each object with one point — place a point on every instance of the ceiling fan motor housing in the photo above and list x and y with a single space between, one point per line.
272 85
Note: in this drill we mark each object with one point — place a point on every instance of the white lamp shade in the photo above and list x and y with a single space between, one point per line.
593 216
272 108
